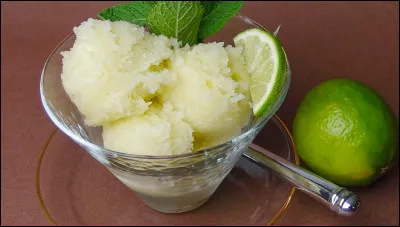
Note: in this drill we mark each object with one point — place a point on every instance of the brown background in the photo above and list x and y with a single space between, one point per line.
323 40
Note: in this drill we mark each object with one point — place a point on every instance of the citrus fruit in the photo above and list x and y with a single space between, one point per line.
266 64
345 132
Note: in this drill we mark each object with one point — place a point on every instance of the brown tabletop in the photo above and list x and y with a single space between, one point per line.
323 40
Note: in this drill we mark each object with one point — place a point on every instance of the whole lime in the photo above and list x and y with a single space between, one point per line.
345 132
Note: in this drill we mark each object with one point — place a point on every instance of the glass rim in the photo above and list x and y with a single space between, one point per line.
88 144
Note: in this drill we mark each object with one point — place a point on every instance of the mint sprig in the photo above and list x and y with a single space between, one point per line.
180 19
133 12
187 21
217 14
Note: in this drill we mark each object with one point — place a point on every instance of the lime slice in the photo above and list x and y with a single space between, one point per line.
266 63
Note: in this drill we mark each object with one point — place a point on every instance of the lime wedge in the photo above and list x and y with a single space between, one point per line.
266 64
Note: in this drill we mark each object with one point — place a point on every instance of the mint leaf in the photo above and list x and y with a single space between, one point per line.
209 6
217 13
180 19
133 12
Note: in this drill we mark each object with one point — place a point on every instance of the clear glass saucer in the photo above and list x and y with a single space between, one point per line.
74 189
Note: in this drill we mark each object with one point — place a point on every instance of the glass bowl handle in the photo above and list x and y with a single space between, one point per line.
337 198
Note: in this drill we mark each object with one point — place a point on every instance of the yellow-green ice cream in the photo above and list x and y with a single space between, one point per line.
151 96
206 93
161 131
106 73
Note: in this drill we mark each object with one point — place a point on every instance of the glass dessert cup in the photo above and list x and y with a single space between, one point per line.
169 184
75 190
